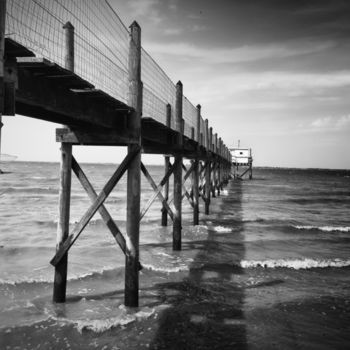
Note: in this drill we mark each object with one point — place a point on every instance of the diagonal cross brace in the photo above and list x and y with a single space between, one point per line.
243 173
107 189
157 191
189 171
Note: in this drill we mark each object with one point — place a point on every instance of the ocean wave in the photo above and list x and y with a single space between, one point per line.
296 264
166 269
102 325
106 270
318 200
73 221
323 228
222 229
30 190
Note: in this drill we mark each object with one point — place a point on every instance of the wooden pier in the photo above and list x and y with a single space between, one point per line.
57 90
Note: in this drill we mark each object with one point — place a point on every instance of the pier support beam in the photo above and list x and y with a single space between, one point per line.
131 292
178 171
207 170
166 169
60 279
196 172
2 63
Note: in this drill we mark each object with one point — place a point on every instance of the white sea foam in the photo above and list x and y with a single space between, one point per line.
222 229
167 269
296 264
102 325
13 280
323 228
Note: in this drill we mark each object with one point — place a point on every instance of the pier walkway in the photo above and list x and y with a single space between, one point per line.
76 64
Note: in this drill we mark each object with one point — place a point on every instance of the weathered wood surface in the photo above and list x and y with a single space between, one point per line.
60 279
2 62
177 222
157 192
107 189
131 292
164 220
106 217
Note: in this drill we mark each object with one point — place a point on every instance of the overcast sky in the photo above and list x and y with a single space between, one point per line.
274 74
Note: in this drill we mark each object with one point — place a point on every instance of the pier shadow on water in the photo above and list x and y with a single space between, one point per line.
206 308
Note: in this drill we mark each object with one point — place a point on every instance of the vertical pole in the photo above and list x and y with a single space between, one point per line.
196 172
166 168
60 280
178 171
212 169
131 292
216 164
219 165
207 170
69 41
2 62
250 164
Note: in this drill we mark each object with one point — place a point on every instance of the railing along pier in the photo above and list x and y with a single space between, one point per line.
107 94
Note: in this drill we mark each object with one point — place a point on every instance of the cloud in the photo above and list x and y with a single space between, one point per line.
331 123
173 31
145 8
246 53
343 122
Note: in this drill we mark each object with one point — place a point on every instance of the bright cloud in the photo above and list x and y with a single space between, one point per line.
331 123
146 8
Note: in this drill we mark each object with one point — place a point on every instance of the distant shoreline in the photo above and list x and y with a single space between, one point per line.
7 157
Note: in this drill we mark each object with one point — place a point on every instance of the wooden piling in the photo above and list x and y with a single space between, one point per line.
69 42
60 279
166 168
212 167
219 165
250 165
196 171
2 63
207 170
131 292
178 170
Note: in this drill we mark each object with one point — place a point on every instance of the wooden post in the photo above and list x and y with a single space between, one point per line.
69 41
166 169
250 164
207 170
219 165
131 292
212 169
60 281
196 172
215 166
2 63
178 171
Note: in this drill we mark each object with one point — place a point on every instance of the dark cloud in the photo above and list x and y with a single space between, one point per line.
238 22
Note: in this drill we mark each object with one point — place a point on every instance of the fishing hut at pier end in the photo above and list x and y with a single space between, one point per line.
242 162
57 65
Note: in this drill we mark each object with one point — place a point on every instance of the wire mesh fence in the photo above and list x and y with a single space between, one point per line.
101 39
159 90
101 52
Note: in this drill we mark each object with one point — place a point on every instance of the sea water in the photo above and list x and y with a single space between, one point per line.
268 268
